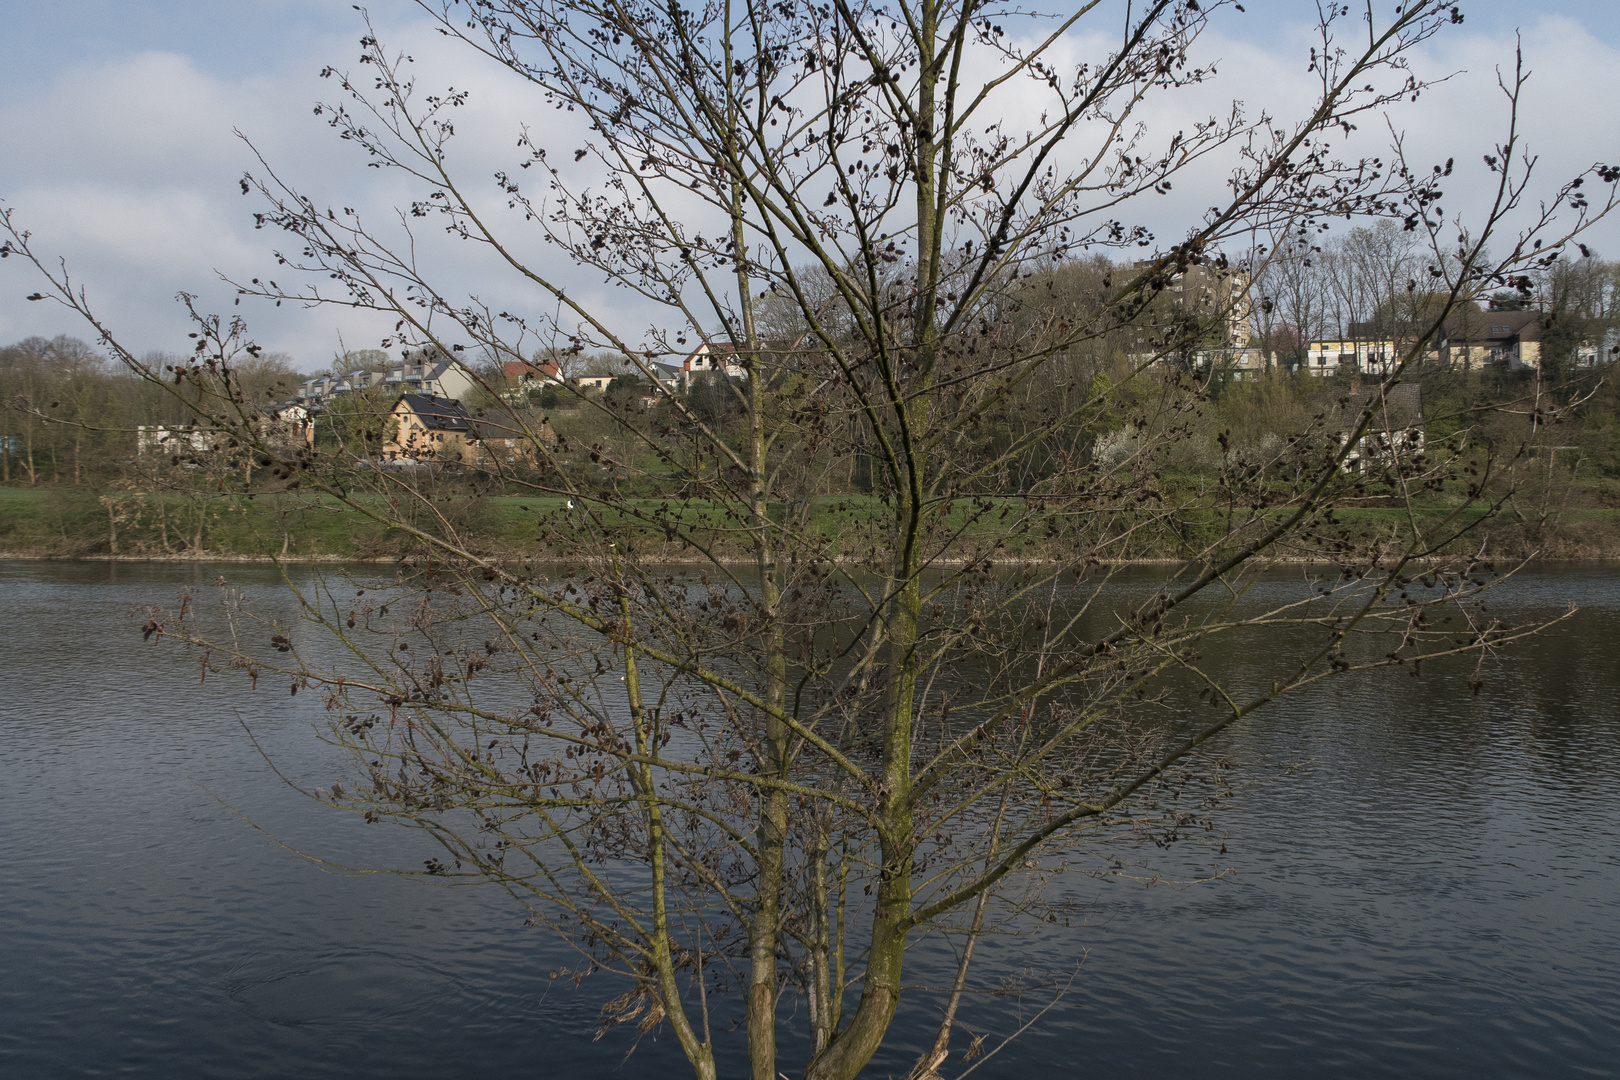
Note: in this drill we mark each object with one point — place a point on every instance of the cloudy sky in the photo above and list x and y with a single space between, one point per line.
117 145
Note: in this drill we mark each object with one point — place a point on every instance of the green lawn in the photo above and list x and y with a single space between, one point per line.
76 523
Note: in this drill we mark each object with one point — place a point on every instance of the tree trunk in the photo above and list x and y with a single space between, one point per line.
112 523
700 1052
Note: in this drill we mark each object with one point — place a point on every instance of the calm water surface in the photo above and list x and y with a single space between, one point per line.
1432 889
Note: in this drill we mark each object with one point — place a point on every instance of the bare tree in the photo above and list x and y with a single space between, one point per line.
897 708
1291 293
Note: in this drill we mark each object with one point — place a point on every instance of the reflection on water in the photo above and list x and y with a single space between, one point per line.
1431 889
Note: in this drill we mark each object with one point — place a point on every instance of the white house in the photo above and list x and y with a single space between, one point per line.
1369 357
164 439
711 358
1394 430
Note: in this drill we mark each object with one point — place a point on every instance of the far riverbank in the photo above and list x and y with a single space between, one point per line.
124 526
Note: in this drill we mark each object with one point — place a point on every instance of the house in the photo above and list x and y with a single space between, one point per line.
284 427
669 376
1364 356
510 441
531 371
523 376
708 358
1396 427
423 427
520 378
290 423
721 356
1592 353
1474 339
431 374
1231 361
174 439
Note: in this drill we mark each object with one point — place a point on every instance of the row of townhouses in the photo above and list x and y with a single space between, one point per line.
441 378
451 379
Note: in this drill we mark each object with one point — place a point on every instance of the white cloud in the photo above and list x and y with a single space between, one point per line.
1567 119
162 232
129 167
1565 115
128 170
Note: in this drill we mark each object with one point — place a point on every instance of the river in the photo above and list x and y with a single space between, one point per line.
1423 883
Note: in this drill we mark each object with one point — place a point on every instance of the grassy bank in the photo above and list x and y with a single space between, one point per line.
73 523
